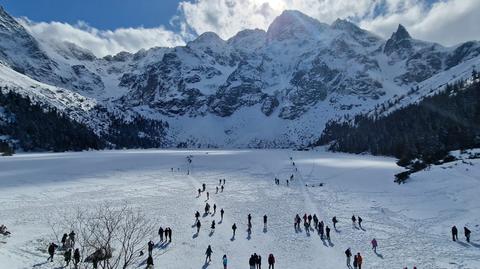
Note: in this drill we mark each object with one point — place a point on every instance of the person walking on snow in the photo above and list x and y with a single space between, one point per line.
221 214
315 220
374 245
334 220
359 260
208 254
199 192
150 247
208 195
354 221
76 257
327 231
212 226
309 220
249 217
355 262
454 233
216 189
67 257
64 239
197 215
348 253
320 229
204 186
224 261
271 261
222 188
264 221
198 226
160 233
214 208
251 262
51 251
234 228
71 235
467 233
360 222
259 262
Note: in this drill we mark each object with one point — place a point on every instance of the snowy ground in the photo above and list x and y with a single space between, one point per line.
411 222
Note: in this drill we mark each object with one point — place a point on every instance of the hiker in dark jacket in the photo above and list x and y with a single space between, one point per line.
327 231
160 233
64 239
234 228
348 254
454 233
360 222
51 251
271 261
221 214
467 233
198 226
208 254
259 262
71 235
150 247
76 257
68 257
265 221
334 220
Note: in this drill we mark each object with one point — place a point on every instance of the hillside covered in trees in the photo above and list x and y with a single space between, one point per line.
31 126
425 131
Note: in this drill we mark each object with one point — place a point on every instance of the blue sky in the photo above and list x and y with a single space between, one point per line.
101 14
110 26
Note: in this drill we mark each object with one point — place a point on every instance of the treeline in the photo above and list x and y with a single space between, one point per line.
424 132
35 127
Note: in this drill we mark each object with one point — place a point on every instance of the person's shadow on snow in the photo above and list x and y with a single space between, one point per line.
163 245
475 245
330 243
249 236
232 239
265 230
324 242
462 243
195 235
205 265
378 255
205 214
39 264
363 229
220 222
211 233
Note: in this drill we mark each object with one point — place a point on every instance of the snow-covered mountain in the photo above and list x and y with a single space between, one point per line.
257 89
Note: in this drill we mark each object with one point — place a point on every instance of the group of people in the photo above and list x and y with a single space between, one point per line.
68 244
4 230
319 225
357 259
466 231
165 234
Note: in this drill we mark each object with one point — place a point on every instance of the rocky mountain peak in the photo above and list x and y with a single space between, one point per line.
292 24
399 42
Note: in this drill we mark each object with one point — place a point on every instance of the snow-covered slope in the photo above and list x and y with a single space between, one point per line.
263 89
411 222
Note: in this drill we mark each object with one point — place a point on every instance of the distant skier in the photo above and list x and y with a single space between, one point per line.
374 245
150 245
234 228
160 233
76 257
360 222
271 261
208 254
454 233
51 251
265 221
221 214
327 231
348 254
335 221
354 221
467 233
224 261
198 226
67 257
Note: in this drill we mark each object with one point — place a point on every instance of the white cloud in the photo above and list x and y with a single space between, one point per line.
100 42
447 21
